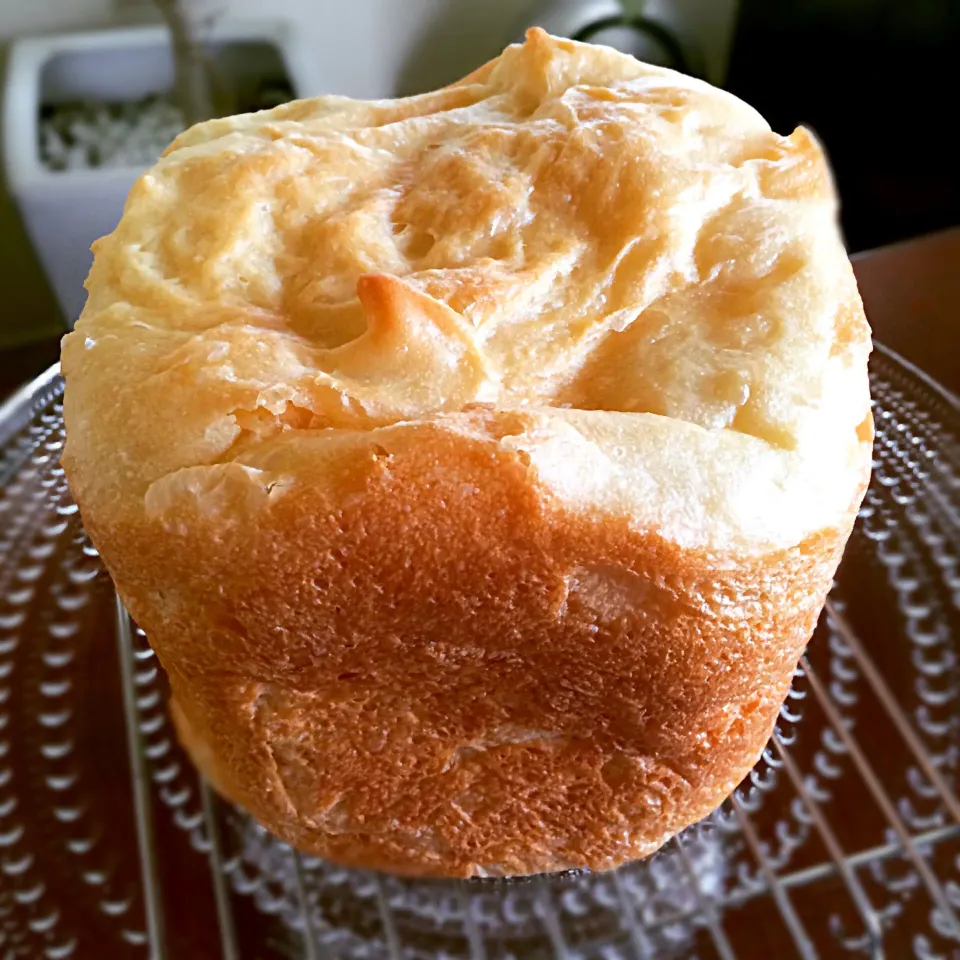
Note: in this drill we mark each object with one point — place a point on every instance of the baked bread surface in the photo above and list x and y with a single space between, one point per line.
477 463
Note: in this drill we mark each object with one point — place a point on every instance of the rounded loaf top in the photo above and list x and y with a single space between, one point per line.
626 256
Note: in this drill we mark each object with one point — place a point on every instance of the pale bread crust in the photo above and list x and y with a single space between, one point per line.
436 596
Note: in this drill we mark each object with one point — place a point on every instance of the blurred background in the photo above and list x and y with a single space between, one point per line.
93 89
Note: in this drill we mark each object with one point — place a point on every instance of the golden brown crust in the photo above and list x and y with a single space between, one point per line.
443 673
479 531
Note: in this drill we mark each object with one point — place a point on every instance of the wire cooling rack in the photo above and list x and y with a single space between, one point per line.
843 841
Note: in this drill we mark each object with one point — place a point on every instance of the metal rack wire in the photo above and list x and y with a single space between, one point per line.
909 864
845 865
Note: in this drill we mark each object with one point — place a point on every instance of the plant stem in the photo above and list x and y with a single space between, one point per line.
193 87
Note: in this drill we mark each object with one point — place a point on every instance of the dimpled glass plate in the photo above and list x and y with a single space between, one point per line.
843 841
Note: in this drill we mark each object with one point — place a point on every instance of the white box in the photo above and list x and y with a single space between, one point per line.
65 211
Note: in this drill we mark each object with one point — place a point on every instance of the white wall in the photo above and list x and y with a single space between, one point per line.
378 48
33 16
367 48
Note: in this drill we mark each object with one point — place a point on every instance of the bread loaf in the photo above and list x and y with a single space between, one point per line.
477 463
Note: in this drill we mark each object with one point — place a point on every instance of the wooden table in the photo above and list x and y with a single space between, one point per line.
911 292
